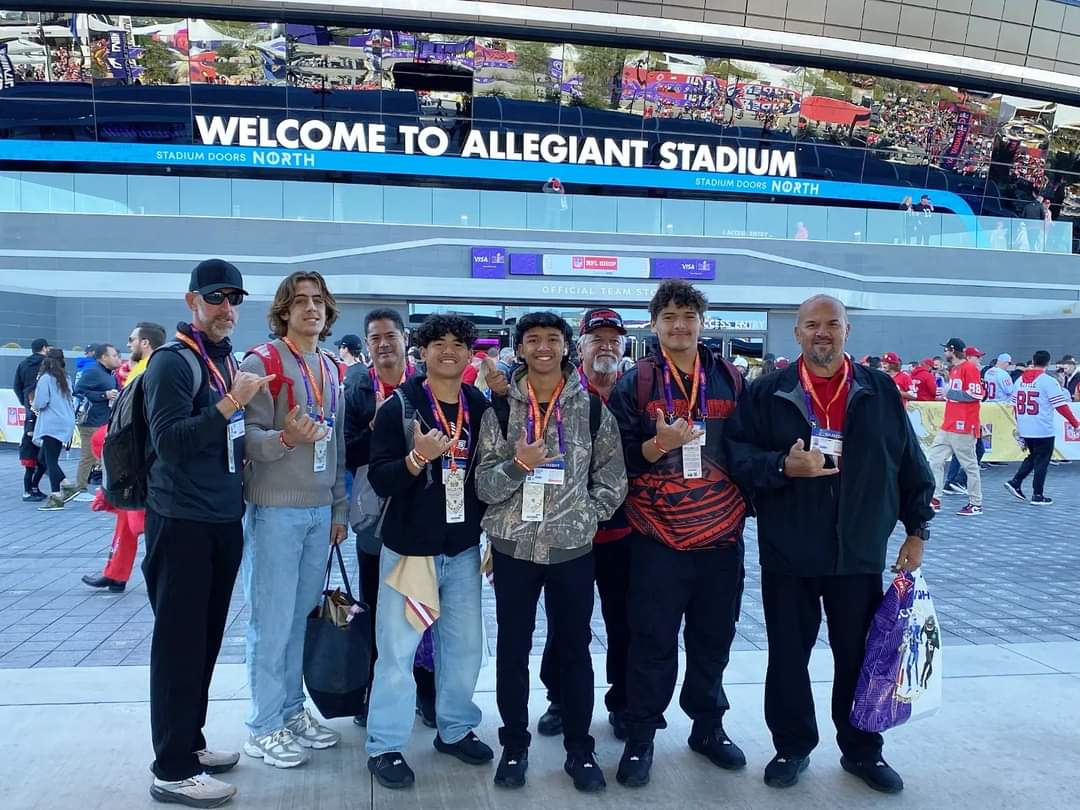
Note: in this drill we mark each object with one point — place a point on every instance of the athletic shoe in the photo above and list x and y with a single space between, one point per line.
875 773
1041 500
618 725
953 488
309 733
33 495
114 585
200 790
1058 461
970 510
935 504
54 503
635 764
783 772
718 747
391 770
512 768
1015 490
217 761
83 497
470 749
550 724
585 771
278 748
68 491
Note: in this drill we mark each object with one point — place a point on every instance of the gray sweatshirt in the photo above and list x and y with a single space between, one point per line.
275 476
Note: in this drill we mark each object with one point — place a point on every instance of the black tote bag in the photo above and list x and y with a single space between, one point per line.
337 651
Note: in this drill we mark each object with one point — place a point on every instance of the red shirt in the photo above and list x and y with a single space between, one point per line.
470 374
826 389
925 384
903 382
963 417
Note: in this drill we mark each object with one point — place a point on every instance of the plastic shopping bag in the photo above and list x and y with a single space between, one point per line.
901 672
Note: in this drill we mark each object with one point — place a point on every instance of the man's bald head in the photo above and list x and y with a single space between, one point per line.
815 302
821 329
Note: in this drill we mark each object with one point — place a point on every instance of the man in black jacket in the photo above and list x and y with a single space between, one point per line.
98 387
425 465
29 456
27 373
194 404
832 463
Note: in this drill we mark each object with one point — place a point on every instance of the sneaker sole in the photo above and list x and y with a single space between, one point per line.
169 797
316 745
506 785
461 756
786 783
393 785
727 766
72 496
970 514
636 782
854 772
1016 493
269 759
598 787
1042 503
50 508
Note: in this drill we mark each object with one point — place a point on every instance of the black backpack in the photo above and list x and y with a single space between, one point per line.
126 455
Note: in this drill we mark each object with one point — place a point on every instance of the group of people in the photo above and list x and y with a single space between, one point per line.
639 480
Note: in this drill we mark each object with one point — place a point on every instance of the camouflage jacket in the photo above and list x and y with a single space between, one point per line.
595 479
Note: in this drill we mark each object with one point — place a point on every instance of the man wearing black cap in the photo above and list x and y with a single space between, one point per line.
25 381
601 344
351 350
194 398
960 427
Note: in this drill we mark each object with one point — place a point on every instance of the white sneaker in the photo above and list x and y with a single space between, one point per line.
217 761
278 748
198 791
309 733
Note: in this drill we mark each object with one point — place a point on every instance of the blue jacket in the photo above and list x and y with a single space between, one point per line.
92 383
56 415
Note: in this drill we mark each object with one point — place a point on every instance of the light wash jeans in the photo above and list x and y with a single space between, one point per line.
458 639
283 569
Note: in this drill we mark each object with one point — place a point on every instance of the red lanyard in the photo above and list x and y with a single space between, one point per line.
196 346
315 390
376 381
808 388
539 426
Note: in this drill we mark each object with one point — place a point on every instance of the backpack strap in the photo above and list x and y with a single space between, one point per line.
501 406
646 379
271 359
193 361
596 414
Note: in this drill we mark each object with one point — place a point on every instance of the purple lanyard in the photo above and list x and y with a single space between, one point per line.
530 424
463 416
216 380
810 415
300 362
703 393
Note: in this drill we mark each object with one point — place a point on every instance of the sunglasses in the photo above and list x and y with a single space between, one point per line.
219 297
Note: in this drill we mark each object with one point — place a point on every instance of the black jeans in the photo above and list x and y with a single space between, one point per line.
1038 459
792 619
568 592
704 587
613 583
50 449
190 568
369 586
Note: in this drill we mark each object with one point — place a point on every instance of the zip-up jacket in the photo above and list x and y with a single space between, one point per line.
26 376
359 411
837 524
595 478
93 383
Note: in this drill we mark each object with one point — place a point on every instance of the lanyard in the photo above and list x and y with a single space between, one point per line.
586 383
376 383
314 391
216 379
808 392
699 386
444 423
533 420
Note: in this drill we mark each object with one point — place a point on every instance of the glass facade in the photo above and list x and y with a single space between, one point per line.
877 145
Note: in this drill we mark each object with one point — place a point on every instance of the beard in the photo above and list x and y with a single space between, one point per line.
136 355
605 364
822 355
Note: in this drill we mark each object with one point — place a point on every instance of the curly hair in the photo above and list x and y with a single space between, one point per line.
679 292
437 326
278 317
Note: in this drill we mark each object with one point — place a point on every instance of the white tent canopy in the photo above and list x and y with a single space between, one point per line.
198 31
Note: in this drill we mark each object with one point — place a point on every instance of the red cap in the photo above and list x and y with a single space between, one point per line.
973 351
927 361
892 358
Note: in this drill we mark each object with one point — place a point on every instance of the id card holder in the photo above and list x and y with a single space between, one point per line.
233 431
321 447
829 442
553 474
699 424
454 482
532 502
691 461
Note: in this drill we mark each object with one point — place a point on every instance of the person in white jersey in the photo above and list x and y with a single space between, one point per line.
1037 396
997 380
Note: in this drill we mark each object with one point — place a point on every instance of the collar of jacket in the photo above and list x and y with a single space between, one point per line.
789 387
570 374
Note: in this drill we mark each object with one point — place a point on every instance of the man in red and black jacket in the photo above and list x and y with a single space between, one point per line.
687 518
601 344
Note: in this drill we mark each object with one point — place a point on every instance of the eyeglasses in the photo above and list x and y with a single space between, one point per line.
220 297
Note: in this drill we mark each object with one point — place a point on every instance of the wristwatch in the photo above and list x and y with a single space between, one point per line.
923 532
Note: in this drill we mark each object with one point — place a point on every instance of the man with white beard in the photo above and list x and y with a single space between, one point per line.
601 344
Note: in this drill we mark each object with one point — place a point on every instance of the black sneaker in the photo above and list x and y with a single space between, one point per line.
470 749
635 764
1014 490
718 747
876 773
1041 500
954 489
618 725
360 720
425 710
391 770
783 772
31 497
104 582
512 767
585 771
550 724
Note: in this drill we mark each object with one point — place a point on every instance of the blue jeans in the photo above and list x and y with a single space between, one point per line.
458 639
956 475
283 570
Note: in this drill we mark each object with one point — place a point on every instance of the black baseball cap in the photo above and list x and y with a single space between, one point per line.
599 317
1066 359
38 345
212 275
351 342
956 344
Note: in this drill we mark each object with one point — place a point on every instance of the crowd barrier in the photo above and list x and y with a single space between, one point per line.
11 430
